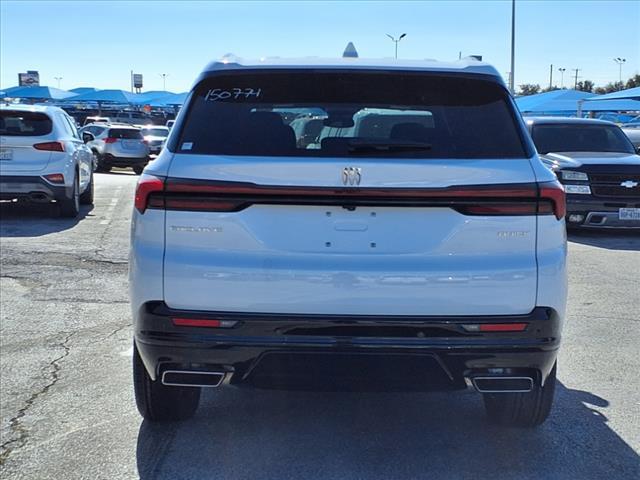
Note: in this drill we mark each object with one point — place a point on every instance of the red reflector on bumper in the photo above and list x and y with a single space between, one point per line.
196 322
503 327
496 327
203 322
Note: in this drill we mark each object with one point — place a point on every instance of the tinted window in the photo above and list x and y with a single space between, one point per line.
580 138
125 133
399 114
155 132
24 124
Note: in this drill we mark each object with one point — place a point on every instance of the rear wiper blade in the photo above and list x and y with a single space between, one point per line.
368 146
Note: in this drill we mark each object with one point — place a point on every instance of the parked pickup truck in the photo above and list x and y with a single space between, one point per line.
598 165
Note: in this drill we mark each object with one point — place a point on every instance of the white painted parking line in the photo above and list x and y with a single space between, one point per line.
112 207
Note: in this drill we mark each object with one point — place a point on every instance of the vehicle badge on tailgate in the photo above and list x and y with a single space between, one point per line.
351 175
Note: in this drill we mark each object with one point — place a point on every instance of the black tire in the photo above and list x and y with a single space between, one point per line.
86 197
159 403
101 167
70 207
138 170
522 409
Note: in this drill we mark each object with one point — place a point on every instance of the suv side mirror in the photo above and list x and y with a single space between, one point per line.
87 137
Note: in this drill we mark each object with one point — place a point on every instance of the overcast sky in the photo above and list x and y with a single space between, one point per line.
97 44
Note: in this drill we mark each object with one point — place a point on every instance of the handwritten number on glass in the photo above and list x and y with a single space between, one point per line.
217 94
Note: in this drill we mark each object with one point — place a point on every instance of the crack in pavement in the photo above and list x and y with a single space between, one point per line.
15 424
111 334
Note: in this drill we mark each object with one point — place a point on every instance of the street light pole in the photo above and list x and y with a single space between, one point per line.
396 41
164 80
513 47
562 70
58 80
620 61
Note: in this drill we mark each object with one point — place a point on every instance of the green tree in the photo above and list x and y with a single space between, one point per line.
585 86
529 89
633 82
610 87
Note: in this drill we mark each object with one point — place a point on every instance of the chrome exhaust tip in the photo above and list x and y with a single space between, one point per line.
192 378
39 197
502 384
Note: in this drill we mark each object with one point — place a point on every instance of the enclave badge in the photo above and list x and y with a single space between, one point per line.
351 175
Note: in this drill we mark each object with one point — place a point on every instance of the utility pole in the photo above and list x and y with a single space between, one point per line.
550 76
57 79
562 70
575 84
513 47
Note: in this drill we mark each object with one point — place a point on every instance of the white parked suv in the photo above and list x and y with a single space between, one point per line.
43 158
423 250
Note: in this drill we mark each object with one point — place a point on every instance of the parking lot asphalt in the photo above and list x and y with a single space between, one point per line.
67 408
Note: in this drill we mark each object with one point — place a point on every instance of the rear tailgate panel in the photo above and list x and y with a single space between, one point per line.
371 260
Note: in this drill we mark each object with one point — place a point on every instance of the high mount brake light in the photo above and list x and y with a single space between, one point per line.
147 185
50 146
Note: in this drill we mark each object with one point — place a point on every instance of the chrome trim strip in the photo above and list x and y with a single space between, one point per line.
473 380
221 376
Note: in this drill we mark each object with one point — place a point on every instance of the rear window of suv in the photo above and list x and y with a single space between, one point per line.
567 137
368 114
125 133
24 124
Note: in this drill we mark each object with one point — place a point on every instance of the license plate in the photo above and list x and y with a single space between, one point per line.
129 144
6 154
629 214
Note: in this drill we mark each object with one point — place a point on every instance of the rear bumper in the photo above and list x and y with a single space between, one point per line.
113 161
30 187
600 212
347 352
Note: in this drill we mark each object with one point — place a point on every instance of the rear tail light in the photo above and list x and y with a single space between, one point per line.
110 140
552 199
147 186
487 200
55 178
50 146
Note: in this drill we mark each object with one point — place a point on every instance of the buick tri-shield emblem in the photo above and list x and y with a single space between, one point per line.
351 176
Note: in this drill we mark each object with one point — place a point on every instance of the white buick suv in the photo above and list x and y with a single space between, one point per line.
43 158
417 243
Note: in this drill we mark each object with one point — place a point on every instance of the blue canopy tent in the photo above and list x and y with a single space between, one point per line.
628 94
148 97
82 90
556 102
572 102
107 96
177 99
39 93
4 92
